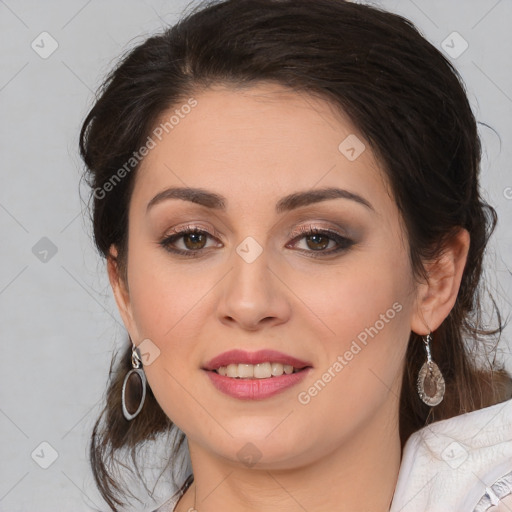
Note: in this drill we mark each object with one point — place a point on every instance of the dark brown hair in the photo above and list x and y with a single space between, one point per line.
403 96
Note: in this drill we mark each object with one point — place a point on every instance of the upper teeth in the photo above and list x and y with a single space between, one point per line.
256 371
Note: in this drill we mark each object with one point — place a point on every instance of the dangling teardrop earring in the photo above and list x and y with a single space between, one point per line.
135 381
431 385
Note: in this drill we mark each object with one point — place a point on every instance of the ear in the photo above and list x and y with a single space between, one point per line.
436 298
121 293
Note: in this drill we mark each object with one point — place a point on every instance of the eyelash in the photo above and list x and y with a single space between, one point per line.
302 232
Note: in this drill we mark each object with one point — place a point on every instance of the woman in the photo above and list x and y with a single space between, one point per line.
286 193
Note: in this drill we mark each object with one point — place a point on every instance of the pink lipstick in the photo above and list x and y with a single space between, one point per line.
255 388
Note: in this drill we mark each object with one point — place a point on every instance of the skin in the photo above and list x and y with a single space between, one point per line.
253 146
504 505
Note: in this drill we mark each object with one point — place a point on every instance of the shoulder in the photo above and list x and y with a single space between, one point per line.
455 464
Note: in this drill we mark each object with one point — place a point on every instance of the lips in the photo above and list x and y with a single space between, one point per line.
261 356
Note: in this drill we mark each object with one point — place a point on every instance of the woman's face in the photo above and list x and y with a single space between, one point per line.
342 300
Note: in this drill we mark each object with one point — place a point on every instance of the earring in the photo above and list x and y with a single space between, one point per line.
431 385
135 381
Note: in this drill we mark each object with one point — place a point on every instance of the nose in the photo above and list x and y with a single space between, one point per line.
254 295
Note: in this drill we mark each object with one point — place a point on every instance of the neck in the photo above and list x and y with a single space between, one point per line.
358 475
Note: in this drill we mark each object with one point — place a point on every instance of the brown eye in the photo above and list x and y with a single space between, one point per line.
194 241
320 242
188 242
317 242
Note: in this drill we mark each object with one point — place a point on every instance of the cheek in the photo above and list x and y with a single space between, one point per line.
367 296
367 309
164 297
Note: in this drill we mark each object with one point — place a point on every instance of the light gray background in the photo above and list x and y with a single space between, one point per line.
59 323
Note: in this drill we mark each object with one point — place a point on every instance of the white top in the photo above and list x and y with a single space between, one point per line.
463 464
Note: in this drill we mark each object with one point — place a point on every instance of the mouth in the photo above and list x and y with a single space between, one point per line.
265 370
263 364
255 375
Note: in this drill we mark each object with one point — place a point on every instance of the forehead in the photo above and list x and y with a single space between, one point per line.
264 141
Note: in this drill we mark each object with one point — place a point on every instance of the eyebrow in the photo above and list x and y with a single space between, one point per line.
285 204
